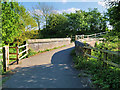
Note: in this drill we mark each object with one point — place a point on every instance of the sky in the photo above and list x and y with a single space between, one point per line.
66 5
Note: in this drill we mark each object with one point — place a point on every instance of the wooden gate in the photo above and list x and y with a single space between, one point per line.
18 54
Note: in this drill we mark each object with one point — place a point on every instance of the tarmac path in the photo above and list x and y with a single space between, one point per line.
52 69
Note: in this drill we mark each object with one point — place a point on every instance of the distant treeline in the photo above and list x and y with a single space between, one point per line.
81 22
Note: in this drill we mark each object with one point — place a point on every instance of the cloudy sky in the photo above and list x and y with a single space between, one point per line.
66 5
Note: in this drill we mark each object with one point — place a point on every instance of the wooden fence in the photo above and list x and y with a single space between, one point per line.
77 37
102 51
87 52
18 54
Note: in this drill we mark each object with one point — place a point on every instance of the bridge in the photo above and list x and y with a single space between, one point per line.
52 69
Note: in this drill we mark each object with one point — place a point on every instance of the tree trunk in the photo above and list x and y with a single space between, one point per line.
39 26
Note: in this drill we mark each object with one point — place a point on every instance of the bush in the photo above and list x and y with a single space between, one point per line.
102 77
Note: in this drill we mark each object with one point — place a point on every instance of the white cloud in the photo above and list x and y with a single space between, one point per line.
64 1
70 10
38 12
102 3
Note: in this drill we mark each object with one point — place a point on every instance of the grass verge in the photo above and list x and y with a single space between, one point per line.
32 52
101 76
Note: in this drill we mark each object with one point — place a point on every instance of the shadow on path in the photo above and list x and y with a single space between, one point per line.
58 74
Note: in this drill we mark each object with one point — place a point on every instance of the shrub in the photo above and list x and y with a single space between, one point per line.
102 77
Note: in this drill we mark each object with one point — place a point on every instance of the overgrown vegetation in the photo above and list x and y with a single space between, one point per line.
103 75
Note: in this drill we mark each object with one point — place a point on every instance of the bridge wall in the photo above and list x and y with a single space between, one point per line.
43 44
79 44
91 41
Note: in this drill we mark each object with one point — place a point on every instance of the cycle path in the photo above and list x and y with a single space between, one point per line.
52 69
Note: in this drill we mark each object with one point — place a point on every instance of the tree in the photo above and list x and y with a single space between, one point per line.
37 15
27 23
41 13
77 22
83 22
96 21
57 24
113 14
15 22
10 23
114 17
80 22
0 24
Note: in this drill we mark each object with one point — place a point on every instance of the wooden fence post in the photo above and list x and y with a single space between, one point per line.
95 35
5 58
26 47
8 56
70 37
17 49
105 58
87 36
100 56
89 52
83 36
75 37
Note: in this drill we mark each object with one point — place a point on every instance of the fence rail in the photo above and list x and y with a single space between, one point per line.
87 36
87 52
18 57
102 50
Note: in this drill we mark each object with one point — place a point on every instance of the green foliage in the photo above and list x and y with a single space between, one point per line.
73 53
102 76
81 22
31 53
113 15
10 23
15 22
27 23
57 24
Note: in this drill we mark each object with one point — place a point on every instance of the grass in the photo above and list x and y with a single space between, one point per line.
32 52
102 76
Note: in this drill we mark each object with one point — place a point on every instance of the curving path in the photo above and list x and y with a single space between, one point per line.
52 69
